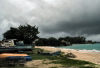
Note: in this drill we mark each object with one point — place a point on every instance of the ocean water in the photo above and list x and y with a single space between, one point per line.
83 47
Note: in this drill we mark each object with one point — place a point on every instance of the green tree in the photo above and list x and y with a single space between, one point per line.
53 41
27 33
11 34
74 40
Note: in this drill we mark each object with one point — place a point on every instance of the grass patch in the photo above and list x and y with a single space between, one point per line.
66 62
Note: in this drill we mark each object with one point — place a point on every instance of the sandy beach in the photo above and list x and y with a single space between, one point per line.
90 56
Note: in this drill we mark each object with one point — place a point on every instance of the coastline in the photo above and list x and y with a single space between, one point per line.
86 55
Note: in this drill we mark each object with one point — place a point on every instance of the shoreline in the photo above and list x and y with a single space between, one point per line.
86 55
84 50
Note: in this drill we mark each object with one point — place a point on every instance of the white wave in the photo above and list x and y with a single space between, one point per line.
82 50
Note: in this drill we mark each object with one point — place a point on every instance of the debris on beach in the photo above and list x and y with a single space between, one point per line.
70 55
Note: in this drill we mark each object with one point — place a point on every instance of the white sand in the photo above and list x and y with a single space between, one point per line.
86 55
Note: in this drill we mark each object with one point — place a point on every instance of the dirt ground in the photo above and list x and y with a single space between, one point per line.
42 64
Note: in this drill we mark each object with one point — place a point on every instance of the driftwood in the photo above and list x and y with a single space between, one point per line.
70 55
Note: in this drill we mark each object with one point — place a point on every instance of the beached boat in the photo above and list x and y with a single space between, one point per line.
13 59
11 46
11 53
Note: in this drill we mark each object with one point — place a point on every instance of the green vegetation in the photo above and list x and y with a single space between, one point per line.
27 33
66 62
63 41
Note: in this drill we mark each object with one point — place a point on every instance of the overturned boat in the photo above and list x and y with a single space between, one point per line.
14 59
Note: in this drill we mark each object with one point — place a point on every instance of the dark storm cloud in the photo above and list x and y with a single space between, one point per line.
53 17
83 27
85 20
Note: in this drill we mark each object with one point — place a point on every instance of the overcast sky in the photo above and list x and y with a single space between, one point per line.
57 18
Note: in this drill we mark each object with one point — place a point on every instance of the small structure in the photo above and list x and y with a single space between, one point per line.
13 45
8 43
66 42
1 43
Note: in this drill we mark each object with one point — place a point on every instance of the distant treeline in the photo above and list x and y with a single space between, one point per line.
65 41
29 33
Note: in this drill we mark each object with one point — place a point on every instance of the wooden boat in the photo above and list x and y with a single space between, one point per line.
5 55
14 59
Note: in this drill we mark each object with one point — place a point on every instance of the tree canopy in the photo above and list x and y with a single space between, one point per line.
27 33
62 41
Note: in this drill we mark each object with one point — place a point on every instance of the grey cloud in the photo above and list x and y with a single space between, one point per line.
53 17
83 19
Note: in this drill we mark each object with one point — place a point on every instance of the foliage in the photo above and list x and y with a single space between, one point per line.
27 33
66 62
61 41
48 42
74 40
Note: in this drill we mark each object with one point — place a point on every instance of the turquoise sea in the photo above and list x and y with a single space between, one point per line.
83 47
